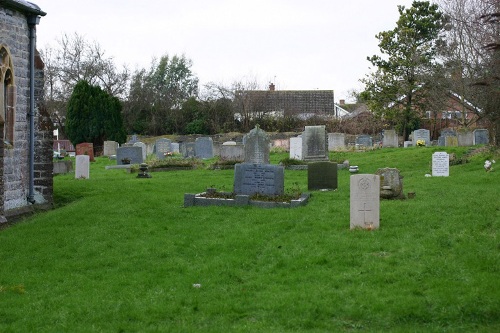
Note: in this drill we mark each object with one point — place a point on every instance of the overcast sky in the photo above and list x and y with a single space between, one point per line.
297 44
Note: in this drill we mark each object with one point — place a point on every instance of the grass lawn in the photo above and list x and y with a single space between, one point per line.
122 254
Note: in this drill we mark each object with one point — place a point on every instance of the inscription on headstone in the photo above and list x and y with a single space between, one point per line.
364 140
422 134
440 164
264 179
162 146
365 201
129 153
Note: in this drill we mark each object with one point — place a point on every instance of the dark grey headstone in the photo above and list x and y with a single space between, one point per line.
322 176
256 146
187 149
481 137
314 143
364 140
266 179
162 146
133 153
133 140
204 147
441 141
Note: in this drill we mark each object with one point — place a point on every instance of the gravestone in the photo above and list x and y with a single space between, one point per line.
232 151
481 137
390 139
131 153
133 140
391 183
440 164
407 144
82 167
296 148
143 147
162 146
322 176
110 148
451 141
175 147
85 148
365 201
336 141
422 134
314 143
465 139
188 149
265 179
364 140
204 147
256 144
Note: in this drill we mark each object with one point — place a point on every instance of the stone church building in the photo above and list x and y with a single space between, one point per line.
26 147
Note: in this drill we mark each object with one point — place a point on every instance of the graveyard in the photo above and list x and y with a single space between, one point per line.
122 253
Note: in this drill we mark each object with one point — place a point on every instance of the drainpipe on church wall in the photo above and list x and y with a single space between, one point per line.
32 23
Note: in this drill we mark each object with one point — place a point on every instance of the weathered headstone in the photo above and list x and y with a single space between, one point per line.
110 148
391 183
143 147
315 143
365 201
133 140
265 179
162 146
322 176
232 151
256 146
390 139
296 148
336 141
188 149
82 167
440 164
465 139
481 137
407 144
175 147
130 154
422 134
364 140
451 141
85 148
204 147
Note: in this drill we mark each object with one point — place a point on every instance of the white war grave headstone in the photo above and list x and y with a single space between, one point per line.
365 201
82 167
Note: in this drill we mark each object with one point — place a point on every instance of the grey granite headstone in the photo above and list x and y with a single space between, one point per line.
175 147
422 134
481 137
204 147
336 141
364 140
232 151
162 146
296 148
440 164
365 201
188 149
132 153
465 139
82 167
256 146
143 147
390 139
315 143
266 179
110 148
133 140
322 176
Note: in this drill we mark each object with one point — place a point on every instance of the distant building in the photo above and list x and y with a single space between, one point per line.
26 146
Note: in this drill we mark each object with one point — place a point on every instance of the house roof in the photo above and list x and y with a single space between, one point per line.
24 6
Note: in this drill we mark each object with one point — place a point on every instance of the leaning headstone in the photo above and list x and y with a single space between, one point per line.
129 155
315 143
465 139
85 148
232 151
481 137
256 146
204 147
162 146
110 148
390 139
440 164
365 201
364 140
336 141
322 176
451 141
296 148
391 183
144 149
422 134
82 167
188 149
265 179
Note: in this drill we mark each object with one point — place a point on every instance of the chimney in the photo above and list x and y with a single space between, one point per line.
271 86
342 101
